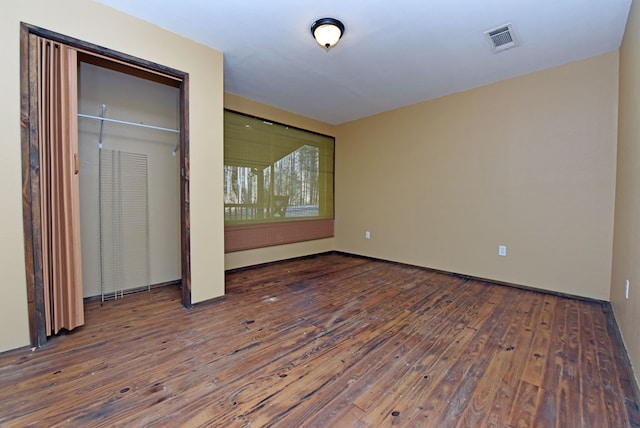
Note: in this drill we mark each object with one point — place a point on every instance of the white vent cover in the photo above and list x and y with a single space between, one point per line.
502 38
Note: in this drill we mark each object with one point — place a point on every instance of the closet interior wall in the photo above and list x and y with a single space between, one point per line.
132 99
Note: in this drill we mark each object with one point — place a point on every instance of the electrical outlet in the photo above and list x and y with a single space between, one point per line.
502 250
626 291
367 235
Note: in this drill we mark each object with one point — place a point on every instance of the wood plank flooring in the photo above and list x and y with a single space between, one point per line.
329 341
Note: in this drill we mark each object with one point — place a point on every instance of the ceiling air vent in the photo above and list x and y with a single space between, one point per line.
502 38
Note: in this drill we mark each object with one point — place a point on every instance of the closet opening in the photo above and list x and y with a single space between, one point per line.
132 160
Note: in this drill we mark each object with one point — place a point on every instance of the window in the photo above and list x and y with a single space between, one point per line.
278 183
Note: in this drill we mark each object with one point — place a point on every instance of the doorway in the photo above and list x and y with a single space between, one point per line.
32 196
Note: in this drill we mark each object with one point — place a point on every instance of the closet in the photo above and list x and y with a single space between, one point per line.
129 181
105 169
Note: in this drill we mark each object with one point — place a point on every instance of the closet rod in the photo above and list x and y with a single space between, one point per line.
86 116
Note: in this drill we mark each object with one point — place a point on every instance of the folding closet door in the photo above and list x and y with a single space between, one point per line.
129 182
55 77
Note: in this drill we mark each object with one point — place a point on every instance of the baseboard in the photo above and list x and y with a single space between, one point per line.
478 278
211 301
308 256
176 282
613 324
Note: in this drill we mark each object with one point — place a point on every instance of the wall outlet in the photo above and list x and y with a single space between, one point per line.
367 235
626 291
502 250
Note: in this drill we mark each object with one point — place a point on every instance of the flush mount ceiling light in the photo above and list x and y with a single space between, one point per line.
327 32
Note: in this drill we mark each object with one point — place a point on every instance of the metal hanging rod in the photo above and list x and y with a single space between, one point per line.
103 119
124 122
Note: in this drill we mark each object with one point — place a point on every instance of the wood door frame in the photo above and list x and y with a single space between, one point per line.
31 162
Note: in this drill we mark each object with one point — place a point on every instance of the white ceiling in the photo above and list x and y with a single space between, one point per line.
393 53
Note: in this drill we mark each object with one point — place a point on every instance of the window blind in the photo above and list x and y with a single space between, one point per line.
275 175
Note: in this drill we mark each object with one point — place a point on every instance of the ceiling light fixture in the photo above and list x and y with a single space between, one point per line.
327 32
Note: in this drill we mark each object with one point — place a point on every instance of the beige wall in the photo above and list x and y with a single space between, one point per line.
136 100
528 163
626 244
264 255
98 24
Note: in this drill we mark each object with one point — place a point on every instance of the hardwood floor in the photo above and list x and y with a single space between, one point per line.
329 341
